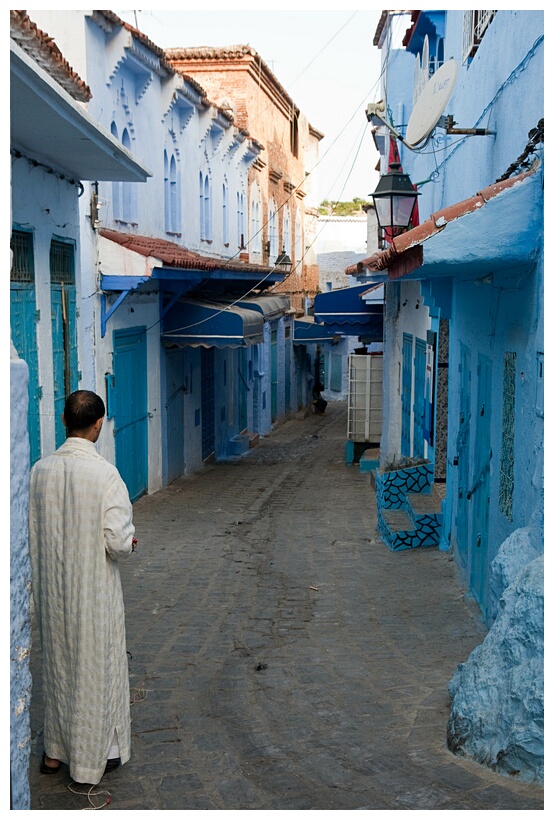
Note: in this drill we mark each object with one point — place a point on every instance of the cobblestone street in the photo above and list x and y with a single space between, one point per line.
281 657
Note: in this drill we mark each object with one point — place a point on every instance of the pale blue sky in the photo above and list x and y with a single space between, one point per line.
326 60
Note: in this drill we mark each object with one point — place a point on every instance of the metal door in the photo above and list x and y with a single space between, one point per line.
174 414
23 319
480 486
130 409
406 394
462 454
208 402
419 397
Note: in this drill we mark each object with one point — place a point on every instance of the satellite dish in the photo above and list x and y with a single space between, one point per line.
431 103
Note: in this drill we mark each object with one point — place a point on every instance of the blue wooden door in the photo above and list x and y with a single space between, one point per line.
480 486
23 319
208 402
243 388
419 397
406 397
287 370
462 454
64 351
174 414
336 373
274 376
130 409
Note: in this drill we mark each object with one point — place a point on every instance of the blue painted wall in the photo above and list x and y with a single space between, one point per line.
500 89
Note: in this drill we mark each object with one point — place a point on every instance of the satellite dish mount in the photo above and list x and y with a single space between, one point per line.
428 110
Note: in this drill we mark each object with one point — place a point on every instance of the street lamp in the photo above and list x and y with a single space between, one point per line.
394 199
283 262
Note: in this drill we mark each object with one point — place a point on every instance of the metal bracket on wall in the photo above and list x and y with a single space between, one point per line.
105 313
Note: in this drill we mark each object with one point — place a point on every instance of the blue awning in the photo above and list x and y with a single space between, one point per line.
271 306
210 324
345 311
306 331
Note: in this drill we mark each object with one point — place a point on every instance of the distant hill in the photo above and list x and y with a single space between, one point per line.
352 208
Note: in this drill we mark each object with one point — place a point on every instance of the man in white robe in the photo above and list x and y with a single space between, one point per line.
80 524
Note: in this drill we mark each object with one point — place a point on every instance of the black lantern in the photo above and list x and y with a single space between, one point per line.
283 262
394 199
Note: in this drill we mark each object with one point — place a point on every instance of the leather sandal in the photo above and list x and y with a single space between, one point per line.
112 764
48 769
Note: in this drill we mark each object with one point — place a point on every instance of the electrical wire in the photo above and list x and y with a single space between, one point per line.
292 193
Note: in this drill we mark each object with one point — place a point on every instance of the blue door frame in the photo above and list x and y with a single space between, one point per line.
406 397
23 320
63 302
129 408
462 454
274 375
480 487
419 397
174 415
207 401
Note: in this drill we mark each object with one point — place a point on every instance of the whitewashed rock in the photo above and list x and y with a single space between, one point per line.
497 712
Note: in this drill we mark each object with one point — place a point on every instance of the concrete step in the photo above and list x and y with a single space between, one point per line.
397 520
425 503
369 460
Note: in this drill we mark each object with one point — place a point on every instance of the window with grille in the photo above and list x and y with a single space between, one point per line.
23 265
62 263
474 27
508 436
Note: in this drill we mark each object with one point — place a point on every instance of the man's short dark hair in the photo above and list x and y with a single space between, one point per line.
82 409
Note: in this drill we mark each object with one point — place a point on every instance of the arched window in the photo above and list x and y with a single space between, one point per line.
298 243
273 233
287 238
128 189
241 227
207 210
255 226
174 209
167 194
116 185
201 207
225 214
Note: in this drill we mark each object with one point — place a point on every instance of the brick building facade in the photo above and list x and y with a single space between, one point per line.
281 212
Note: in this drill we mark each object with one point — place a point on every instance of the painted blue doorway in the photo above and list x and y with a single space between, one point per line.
64 351
23 320
208 402
406 397
174 414
274 382
287 370
480 487
462 454
130 410
243 388
419 397
63 305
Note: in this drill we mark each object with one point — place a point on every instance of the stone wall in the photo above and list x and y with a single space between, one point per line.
20 586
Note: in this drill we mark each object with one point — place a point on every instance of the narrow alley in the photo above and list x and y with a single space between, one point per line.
281 657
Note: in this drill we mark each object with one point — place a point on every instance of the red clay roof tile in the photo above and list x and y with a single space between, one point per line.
42 48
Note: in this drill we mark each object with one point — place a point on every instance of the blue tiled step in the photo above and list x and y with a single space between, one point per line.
416 522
